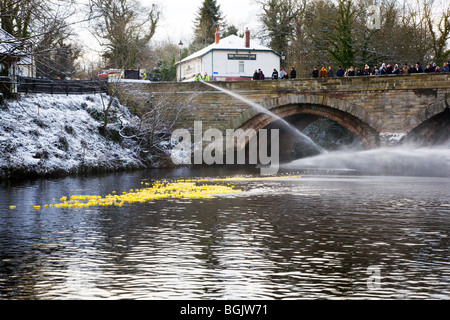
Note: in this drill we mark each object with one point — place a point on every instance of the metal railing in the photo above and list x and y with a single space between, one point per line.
67 87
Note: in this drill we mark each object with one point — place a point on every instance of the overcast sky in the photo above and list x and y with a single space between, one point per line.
178 16
177 22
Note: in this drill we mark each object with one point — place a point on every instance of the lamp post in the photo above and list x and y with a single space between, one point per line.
283 58
180 45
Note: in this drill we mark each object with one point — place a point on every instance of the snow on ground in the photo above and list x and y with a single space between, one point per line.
45 134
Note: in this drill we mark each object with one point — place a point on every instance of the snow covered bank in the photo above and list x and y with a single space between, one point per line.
43 135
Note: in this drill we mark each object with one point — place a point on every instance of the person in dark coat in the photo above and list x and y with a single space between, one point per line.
340 72
389 69
351 72
330 73
293 74
396 70
261 75
315 73
275 74
256 75
419 68
428 69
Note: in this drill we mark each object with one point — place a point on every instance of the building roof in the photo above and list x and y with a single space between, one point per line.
229 43
11 46
8 44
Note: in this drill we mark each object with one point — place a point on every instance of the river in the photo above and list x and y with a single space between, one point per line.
300 235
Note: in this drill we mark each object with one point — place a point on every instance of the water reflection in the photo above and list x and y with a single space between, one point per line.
313 238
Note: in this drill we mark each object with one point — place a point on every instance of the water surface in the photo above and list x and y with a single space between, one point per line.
314 237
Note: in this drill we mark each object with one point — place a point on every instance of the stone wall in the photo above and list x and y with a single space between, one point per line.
383 106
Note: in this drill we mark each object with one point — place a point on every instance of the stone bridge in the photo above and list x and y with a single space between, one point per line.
378 110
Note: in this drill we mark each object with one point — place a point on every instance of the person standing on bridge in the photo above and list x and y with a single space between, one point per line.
293 74
405 69
256 75
428 69
340 72
419 68
330 73
351 72
396 70
315 73
261 75
275 74
376 71
323 73
206 77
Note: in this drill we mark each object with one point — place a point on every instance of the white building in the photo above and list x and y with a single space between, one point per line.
231 58
14 58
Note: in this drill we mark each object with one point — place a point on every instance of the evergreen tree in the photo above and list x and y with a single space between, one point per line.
277 20
231 30
209 17
164 71
169 73
340 42
156 74
173 69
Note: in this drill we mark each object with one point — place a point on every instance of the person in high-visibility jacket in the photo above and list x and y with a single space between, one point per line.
206 77
197 77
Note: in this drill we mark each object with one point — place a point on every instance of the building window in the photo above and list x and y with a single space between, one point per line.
241 67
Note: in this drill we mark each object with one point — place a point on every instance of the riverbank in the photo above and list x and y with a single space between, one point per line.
45 135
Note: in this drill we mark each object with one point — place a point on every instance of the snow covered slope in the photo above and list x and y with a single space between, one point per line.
45 135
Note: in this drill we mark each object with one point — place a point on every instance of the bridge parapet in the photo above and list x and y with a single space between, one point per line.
388 107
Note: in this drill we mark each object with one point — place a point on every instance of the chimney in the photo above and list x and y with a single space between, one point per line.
217 35
247 38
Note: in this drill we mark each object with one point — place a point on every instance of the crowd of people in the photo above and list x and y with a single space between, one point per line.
365 70
384 69
283 74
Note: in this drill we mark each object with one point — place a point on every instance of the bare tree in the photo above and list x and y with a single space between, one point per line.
126 27
44 31
155 116
17 15
441 37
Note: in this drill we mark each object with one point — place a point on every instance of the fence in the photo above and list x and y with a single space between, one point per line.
33 85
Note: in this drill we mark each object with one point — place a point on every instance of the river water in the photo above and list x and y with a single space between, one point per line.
322 235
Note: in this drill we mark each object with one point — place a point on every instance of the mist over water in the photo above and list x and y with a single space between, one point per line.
402 160
391 161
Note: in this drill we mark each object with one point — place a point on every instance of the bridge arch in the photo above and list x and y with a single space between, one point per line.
430 125
352 117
